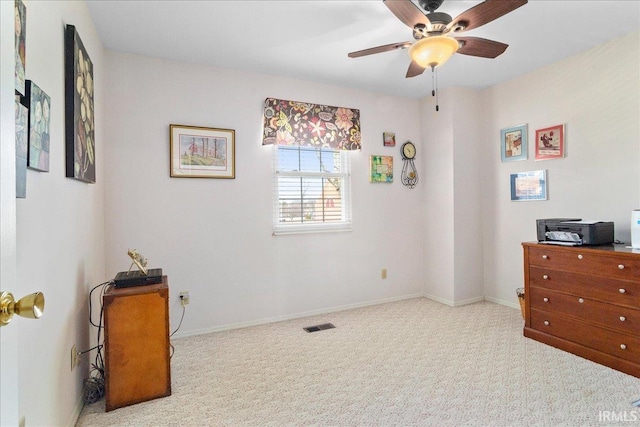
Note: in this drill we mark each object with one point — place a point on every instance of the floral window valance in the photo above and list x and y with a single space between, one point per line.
311 125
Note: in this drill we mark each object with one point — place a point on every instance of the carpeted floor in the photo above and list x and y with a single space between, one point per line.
408 363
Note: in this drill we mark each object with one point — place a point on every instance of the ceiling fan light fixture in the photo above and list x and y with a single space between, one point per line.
433 51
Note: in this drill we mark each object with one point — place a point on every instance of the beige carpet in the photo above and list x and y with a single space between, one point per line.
408 363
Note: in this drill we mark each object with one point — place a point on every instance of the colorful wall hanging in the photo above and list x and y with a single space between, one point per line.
381 169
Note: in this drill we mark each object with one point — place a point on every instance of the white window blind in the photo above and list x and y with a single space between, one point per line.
311 190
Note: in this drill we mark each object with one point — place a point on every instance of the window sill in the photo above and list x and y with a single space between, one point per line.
311 229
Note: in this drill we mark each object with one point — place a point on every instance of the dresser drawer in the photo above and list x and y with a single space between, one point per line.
587 261
623 319
614 343
601 288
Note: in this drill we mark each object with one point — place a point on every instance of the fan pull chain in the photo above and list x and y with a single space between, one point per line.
434 85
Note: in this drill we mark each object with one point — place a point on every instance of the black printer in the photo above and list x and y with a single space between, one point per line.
574 231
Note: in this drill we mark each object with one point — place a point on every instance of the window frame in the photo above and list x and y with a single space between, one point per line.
344 224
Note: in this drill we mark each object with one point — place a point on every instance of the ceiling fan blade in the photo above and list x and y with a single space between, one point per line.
414 69
379 49
476 46
407 12
483 13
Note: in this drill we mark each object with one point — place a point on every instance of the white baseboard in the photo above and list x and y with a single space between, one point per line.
77 409
341 308
454 303
472 301
503 302
295 316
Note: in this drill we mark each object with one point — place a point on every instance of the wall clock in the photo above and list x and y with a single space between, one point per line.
409 175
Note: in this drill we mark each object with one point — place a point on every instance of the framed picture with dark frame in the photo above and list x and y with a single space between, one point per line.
79 109
202 152
530 185
514 143
550 143
39 122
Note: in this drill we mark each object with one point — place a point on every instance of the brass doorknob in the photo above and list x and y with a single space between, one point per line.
30 306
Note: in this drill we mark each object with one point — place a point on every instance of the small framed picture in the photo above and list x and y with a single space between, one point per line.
381 169
20 39
513 143
389 139
201 152
22 127
39 120
529 185
550 143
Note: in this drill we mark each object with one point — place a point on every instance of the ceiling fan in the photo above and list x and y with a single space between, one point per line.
434 32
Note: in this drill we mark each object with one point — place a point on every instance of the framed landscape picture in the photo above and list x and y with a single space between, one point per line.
513 143
201 152
550 143
79 117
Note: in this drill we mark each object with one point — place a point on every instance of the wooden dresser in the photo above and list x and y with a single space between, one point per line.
136 341
585 300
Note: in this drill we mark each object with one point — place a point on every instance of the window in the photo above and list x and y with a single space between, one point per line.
311 190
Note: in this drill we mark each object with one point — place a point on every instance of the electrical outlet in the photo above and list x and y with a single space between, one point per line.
184 298
75 357
384 273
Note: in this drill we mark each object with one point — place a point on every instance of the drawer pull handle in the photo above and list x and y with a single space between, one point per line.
580 300
622 318
579 256
545 257
621 266
545 299
622 346
546 323
545 277
622 290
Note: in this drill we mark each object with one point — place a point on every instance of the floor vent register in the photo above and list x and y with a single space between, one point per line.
317 328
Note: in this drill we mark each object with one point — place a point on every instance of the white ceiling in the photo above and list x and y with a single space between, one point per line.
310 39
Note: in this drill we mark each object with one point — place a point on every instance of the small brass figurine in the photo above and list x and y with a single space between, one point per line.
138 260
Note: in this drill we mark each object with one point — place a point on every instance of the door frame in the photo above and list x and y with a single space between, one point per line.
9 374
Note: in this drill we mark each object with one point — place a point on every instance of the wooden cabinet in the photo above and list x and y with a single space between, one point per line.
585 300
136 341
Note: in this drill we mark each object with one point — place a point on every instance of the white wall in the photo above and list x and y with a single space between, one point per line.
468 196
60 230
437 182
597 96
453 181
213 237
